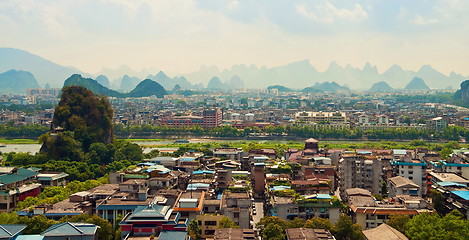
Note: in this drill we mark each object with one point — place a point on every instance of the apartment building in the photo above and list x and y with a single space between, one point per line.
237 206
360 171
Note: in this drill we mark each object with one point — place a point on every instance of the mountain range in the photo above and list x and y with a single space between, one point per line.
295 75
17 82
145 88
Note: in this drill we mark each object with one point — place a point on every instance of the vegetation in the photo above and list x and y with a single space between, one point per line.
22 131
52 195
432 226
39 223
321 131
193 230
226 222
274 227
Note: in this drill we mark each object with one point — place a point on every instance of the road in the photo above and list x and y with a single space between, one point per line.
259 211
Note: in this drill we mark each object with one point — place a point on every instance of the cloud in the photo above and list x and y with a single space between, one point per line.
419 20
329 13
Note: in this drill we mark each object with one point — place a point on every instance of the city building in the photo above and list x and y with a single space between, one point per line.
360 171
308 234
16 184
236 234
237 206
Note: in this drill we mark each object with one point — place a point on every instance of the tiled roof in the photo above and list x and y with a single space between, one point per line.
384 231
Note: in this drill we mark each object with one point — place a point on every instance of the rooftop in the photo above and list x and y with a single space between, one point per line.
400 181
384 231
308 234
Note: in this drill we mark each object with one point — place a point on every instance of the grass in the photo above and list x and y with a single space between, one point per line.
144 139
18 141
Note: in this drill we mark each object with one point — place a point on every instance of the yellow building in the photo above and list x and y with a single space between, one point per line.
208 224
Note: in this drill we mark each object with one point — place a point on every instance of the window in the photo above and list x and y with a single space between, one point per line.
236 214
210 223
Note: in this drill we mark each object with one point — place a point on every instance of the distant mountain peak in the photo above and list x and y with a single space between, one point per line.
369 68
380 87
417 84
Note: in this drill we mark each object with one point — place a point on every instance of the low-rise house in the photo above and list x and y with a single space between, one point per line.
52 179
308 234
369 213
236 234
190 204
316 205
16 184
237 206
228 153
402 186
60 231
10 232
383 231
71 231
208 224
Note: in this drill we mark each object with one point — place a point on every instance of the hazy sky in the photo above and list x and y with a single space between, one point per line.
181 35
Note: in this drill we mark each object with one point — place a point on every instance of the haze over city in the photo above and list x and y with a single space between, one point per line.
180 36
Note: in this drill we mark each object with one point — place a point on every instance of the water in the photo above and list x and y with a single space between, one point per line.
31 148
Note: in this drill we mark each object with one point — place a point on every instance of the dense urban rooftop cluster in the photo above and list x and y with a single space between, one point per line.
163 195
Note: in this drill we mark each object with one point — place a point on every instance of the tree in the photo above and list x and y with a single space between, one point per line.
262 224
431 226
226 222
319 223
86 119
438 201
399 221
194 230
296 223
9 218
344 229
273 232
36 224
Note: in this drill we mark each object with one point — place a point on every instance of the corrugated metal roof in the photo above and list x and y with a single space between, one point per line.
22 174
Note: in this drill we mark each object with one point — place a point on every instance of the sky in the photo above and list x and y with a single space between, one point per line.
181 35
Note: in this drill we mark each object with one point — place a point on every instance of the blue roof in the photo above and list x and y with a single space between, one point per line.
407 163
318 196
195 186
323 196
188 159
279 188
7 230
462 194
454 164
30 237
172 235
450 184
70 229
203 172
146 164
365 152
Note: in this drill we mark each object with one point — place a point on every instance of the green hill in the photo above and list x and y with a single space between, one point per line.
145 88
148 88
17 81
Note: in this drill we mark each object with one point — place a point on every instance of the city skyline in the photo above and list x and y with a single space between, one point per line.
180 36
